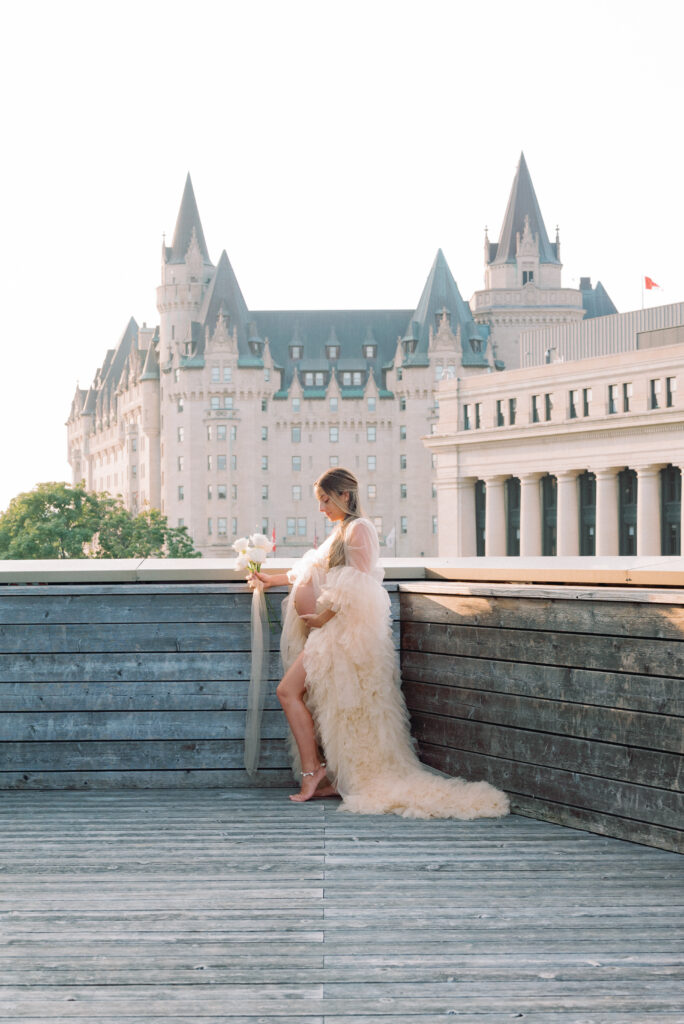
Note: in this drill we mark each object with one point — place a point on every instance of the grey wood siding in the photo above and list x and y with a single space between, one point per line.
570 701
133 685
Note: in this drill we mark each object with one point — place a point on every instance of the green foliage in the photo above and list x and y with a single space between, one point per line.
58 520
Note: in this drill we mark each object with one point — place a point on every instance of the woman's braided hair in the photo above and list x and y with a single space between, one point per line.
334 482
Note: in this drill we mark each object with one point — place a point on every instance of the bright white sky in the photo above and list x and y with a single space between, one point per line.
333 146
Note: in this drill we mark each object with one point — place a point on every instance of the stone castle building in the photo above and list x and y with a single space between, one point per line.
222 416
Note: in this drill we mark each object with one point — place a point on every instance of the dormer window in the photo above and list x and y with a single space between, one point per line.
332 351
370 351
528 276
296 351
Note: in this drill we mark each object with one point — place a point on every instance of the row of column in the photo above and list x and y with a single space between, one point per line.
568 513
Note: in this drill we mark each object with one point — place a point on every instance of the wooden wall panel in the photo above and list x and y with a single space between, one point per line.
573 704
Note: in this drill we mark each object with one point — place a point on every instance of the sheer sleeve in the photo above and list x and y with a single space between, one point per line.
361 546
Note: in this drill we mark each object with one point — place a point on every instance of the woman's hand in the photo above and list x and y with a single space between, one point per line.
263 577
317 619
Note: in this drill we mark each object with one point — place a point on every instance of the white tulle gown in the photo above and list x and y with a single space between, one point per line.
353 692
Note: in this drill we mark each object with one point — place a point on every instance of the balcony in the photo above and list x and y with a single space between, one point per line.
147 878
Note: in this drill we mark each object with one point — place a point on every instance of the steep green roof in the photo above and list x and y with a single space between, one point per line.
522 203
596 301
187 220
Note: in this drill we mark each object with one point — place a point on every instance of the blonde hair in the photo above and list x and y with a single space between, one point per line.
333 483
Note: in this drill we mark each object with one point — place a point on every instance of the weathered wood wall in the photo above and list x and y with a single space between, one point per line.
571 700
135 685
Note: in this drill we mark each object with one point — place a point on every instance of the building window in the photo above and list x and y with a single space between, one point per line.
402 462
334 435
535 408
222 491
297 492
176 373
233 433
264 526
332 351
466 417
499 413
221 462
333 405
528 276
134 472
370 433
209 433
227 374
512 409
264 405
264 433
222 524
626 396
296 463
296 435
371 462
573 402
134 442
434 524
308 380
215 374
181 463
220 432
267 373
402 404
264 492
434 490
548 407
181 434
334 461
179 405
296 351
181 522
209 462
209 492
181 492
372 490
402 433
295 405
291 526
670 388
371 405
227 402
403 524
301 527
512 502
233 491
233 462
612 399
478 415
403 491
586 400
264 462
210 526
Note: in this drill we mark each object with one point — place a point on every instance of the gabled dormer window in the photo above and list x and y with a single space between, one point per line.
332 351
528 276
370 351
296 351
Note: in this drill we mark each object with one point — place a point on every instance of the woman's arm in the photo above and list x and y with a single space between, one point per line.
269 579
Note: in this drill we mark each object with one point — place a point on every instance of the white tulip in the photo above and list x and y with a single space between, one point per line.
241 545
260 540
242 561
255 555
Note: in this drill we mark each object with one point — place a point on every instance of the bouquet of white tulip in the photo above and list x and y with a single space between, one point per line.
251 552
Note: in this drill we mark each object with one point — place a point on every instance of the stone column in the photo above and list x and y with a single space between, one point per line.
648 510
607 533
567 504
495 516
466 544
530 514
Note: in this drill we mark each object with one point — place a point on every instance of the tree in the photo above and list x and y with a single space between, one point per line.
58 520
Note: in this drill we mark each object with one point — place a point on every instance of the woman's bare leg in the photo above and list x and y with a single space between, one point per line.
290 693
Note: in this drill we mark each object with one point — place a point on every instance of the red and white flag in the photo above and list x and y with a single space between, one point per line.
273 538
650 283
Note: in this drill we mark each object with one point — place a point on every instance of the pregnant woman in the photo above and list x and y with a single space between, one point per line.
341 693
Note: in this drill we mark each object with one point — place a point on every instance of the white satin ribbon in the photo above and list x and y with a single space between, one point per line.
258 679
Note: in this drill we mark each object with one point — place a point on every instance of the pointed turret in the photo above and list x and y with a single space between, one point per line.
151 367
223 296
522 218
441 296
188 222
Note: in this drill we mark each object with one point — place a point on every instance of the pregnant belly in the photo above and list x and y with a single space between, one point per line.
305 599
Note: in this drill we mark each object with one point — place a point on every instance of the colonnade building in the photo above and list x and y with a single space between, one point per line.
222 416
568 455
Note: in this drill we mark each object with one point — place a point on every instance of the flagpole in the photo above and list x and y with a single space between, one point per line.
642 291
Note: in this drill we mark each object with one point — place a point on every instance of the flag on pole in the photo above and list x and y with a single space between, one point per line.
650 283
273 538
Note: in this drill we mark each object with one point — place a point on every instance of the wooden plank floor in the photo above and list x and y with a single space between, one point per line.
134 907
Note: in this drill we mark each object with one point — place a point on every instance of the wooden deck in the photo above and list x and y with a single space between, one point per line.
180 906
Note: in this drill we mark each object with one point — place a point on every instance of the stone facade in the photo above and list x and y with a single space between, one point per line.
223 417
569 458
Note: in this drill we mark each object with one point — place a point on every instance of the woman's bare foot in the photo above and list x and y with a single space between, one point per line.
327 789
310 783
